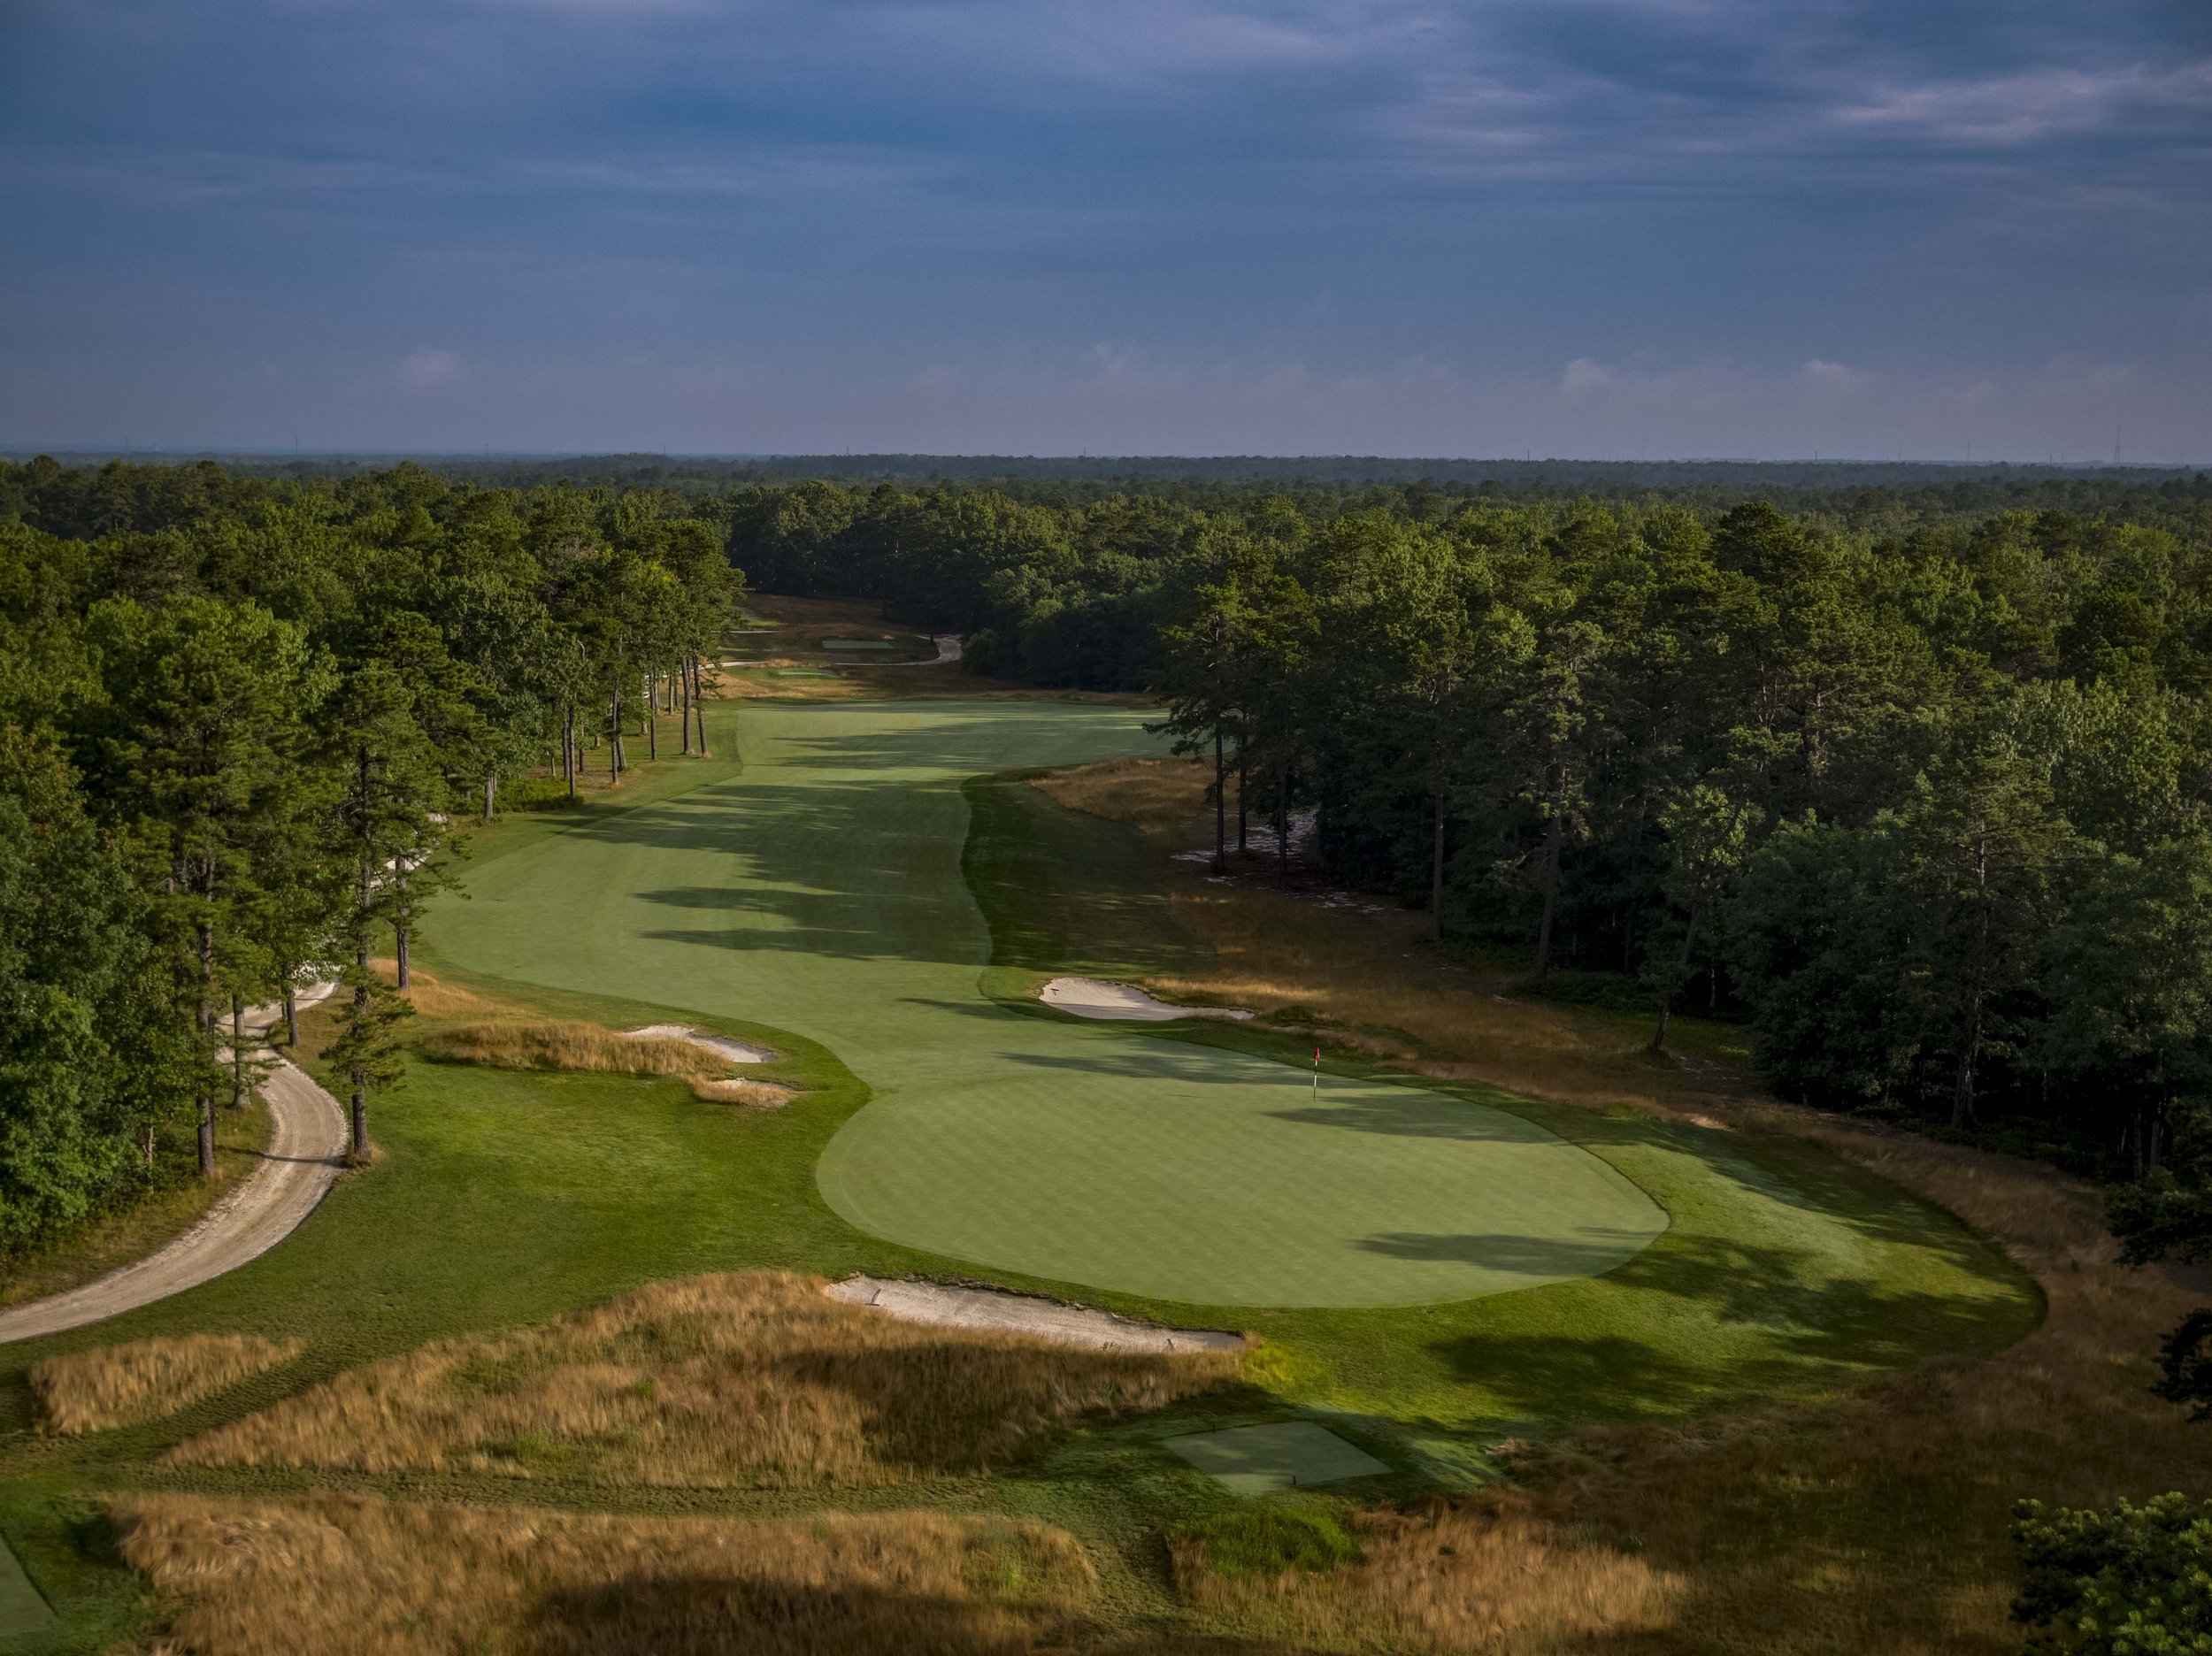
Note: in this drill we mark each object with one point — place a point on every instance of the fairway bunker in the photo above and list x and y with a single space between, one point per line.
1260 1459
1095 998
721 1046
1049 1320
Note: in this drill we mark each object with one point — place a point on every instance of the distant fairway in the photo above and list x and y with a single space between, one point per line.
821 892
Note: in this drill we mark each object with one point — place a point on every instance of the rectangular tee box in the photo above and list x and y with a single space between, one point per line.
22 1610
1255 1460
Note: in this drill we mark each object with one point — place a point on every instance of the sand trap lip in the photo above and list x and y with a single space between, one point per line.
1095 998
721 1046
994 1309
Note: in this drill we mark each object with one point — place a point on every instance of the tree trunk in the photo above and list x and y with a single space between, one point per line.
399 917
652 718
207 1034
1970 1045
1555 833
1244 776
1674 985
360 1111
291 1013
614 742
679 689
699 705
568 750
1282 825
1969 1050
1436 878
1628 909
237 1053
491 793
1221 806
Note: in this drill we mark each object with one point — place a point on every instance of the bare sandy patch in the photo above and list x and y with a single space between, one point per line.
1097 998
941 1306
722 1046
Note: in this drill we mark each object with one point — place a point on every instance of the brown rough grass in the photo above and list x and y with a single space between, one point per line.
560 1044
435 1000
713 1381
356 1577
1875 1522
1447 1580
122 1385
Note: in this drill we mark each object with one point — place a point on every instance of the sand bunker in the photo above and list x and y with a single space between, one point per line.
941 1307
721 1046
1095 998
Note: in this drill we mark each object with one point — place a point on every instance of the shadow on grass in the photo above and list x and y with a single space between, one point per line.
1846 1322
650 1615
1563 1376
1547 1257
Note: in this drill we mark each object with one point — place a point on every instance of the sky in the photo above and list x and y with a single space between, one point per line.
1942 229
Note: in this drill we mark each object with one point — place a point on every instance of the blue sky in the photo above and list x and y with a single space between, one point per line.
1575 228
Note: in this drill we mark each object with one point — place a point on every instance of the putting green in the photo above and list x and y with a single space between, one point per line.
821 892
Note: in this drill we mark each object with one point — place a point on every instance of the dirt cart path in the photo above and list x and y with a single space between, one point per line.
307 1146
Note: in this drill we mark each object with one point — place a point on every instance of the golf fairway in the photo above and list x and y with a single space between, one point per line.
820 890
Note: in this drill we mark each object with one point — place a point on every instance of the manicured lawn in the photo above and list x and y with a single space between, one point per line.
806 889
822 891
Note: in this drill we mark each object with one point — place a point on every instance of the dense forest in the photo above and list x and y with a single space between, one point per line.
1913 780
1918 790
243 726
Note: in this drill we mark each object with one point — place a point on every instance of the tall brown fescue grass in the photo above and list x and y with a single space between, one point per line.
355 1577
434 999
1447 1580
1873 1523
554 1044
122 1385
752 1379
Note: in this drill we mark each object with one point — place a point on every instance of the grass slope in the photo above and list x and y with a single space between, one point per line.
501 1199
823 892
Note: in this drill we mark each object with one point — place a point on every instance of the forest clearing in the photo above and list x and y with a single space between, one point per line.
907 1150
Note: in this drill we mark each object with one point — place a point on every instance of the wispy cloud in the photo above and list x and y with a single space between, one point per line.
427 370
2037 106
1712 222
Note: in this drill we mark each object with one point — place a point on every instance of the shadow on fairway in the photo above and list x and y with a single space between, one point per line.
981 741
1549 1258
672 1613
1406 1112
1558 1376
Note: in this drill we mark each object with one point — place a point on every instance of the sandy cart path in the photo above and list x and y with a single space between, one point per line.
307 1146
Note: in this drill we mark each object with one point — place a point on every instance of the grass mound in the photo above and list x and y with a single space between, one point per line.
355 1577
1469 1581
123 1385
752 1379
1268 1540
558 1044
